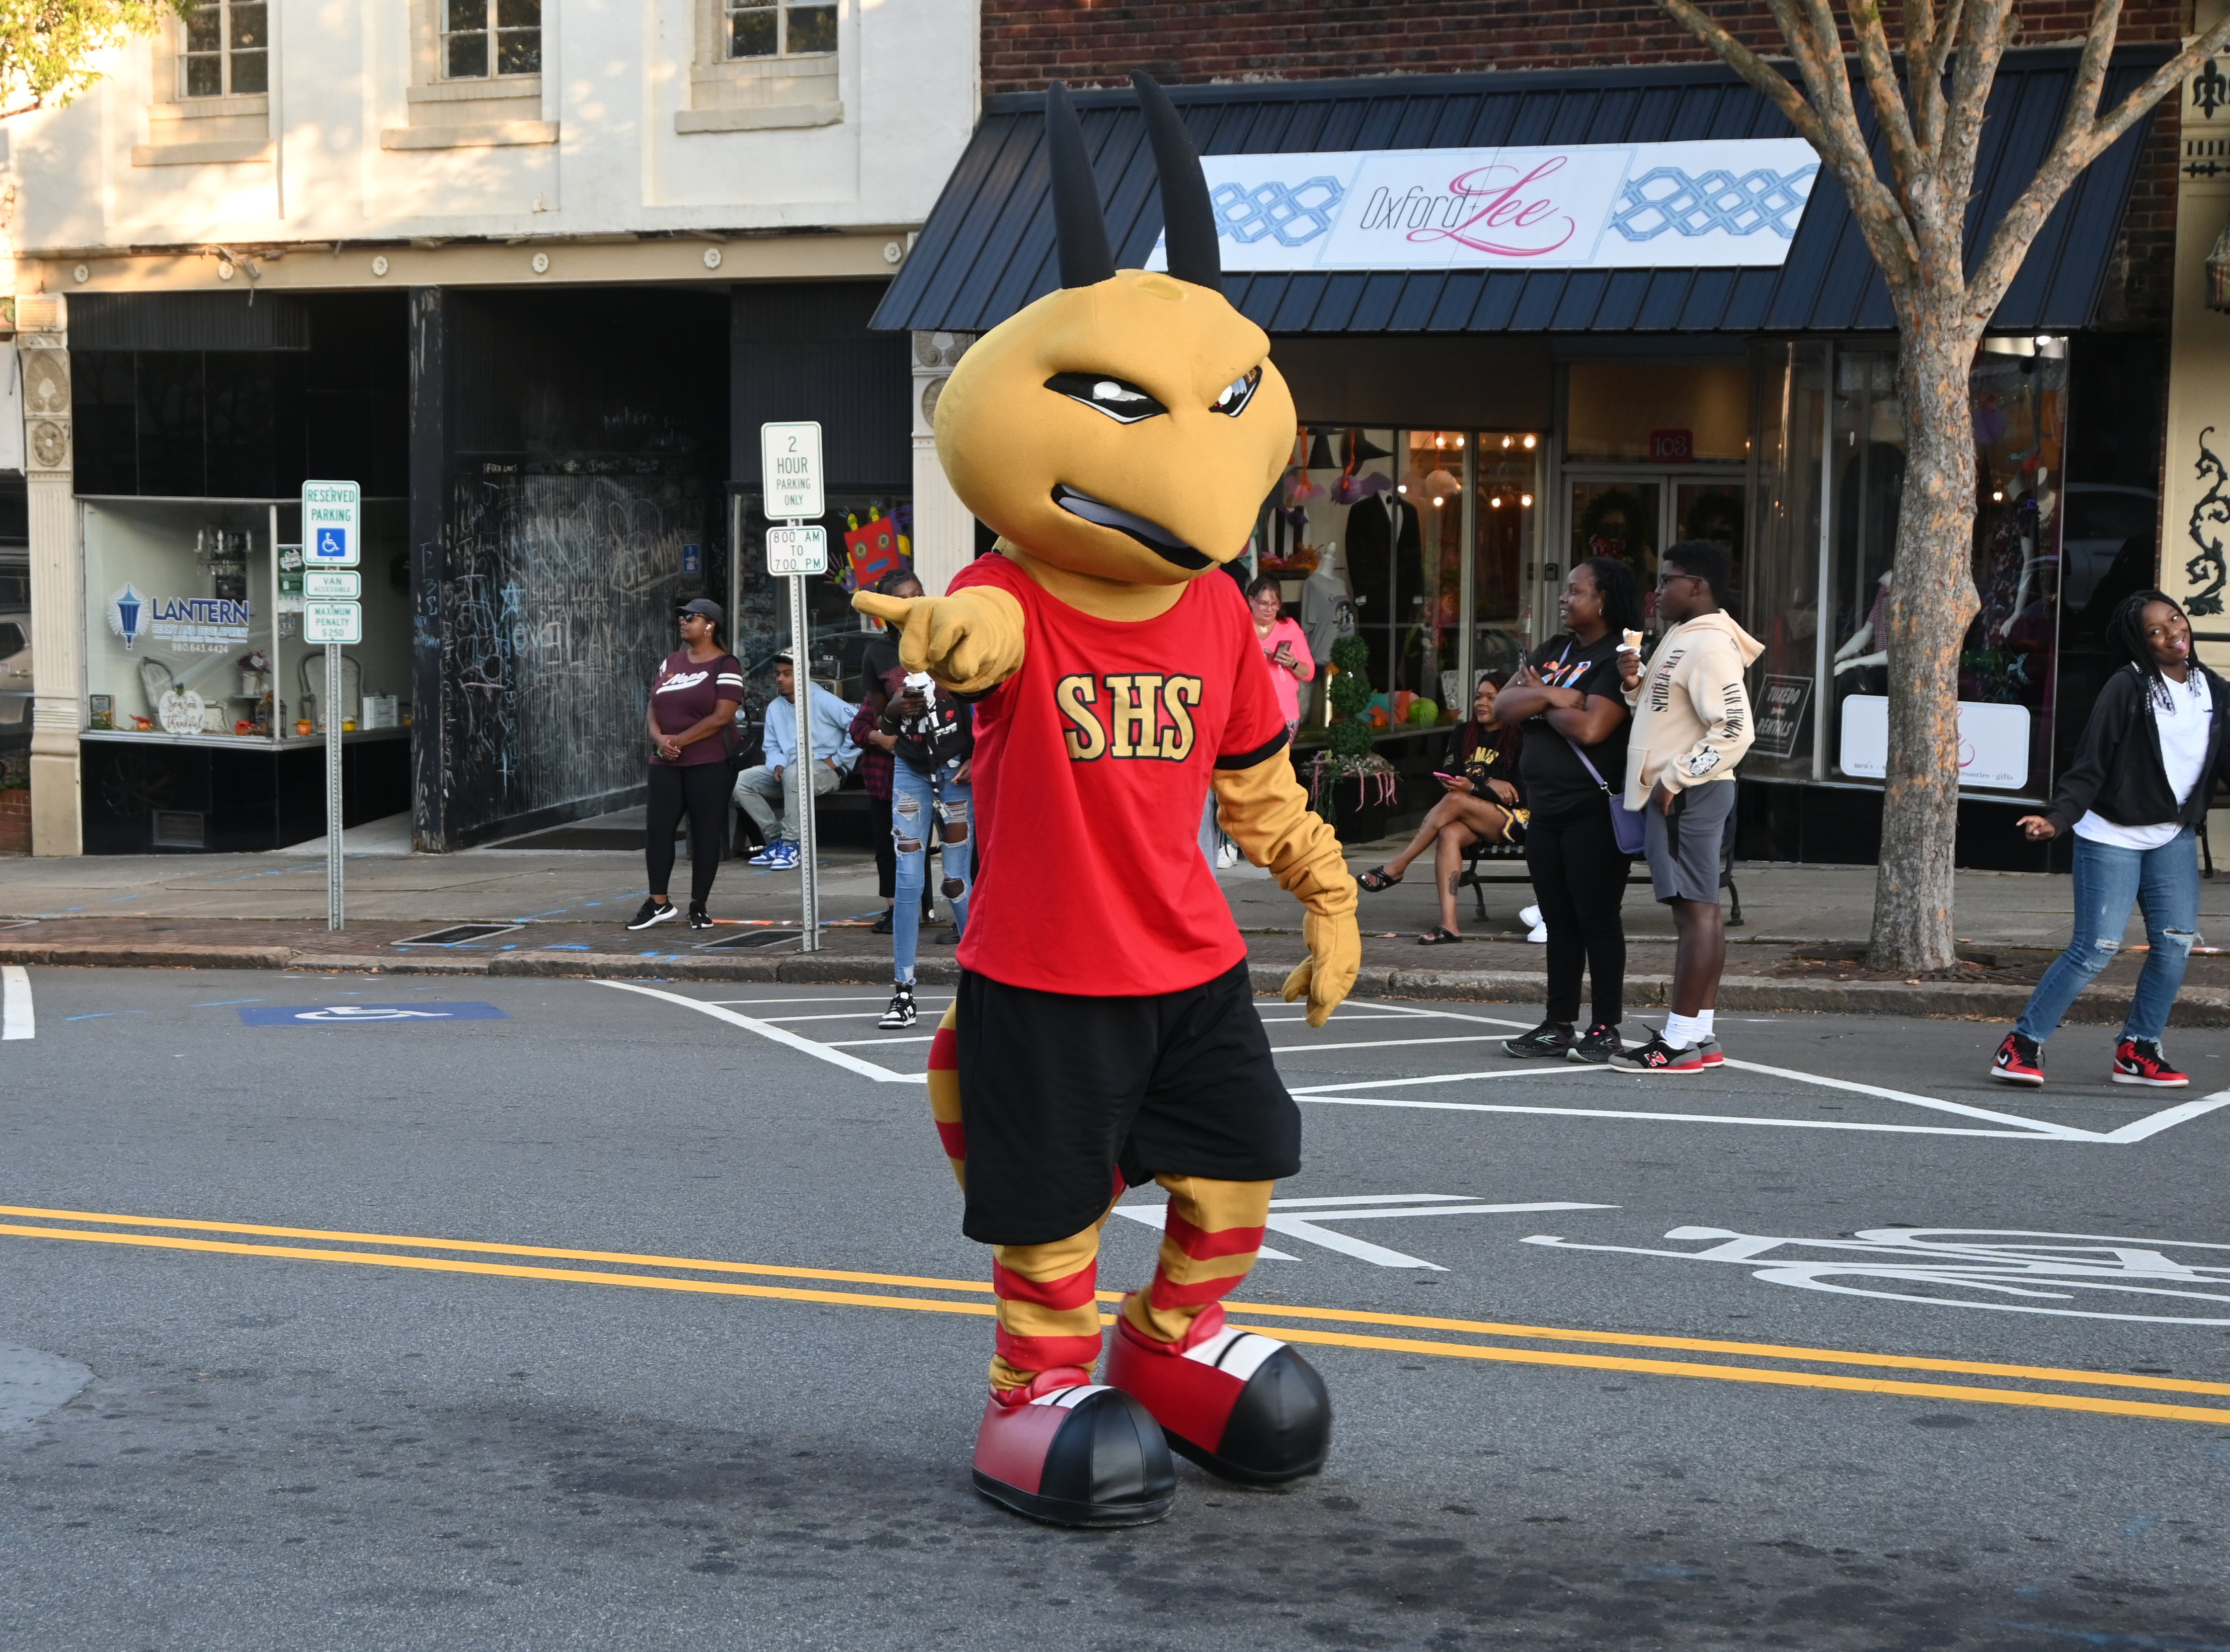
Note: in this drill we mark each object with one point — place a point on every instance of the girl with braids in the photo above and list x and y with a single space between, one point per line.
1570 701
2136 795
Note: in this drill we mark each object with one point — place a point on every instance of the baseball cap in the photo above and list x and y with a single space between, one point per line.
707 607
785 658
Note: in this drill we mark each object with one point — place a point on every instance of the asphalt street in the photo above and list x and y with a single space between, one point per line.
603 1314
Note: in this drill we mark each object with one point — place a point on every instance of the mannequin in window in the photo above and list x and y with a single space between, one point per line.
1382 540
1859 648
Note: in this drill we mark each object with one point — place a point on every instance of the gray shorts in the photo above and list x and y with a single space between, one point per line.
1684 846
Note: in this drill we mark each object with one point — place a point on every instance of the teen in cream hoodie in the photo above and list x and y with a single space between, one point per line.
1691 716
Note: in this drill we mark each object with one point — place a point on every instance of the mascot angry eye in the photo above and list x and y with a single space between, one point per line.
1127 424
1120 399
1237 394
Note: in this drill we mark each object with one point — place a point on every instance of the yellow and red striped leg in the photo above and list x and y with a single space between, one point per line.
944 1092
1242 1405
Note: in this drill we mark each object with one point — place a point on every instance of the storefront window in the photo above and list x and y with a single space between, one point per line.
2018 394
1781 587
182 646
1655 455
870 535
1506 497
1340 511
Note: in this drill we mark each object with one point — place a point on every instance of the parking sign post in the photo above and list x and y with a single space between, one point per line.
332 537
790 478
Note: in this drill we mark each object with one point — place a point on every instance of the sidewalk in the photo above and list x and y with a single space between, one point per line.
1806 926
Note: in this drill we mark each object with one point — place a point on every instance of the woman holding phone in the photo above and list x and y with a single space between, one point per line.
1284 647
1481 801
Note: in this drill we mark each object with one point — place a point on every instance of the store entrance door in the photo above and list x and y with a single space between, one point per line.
1633 514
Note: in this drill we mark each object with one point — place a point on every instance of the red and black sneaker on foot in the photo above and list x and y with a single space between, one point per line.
1713 1056
2139 1061
1658 1056
2019 1061
1243 1406
1069 1452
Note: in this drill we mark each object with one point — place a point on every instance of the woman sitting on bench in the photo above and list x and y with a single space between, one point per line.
1479 802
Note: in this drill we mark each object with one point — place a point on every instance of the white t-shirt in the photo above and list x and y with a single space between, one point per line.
2184 723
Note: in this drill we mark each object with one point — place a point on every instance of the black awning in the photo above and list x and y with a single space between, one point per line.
987 247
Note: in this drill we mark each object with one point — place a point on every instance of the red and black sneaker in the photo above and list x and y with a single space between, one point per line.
1713 1056
1242 1406
1069 1452
2139 1061
2019 1060
1658 1056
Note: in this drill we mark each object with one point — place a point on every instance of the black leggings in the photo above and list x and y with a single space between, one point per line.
1579 878
702 789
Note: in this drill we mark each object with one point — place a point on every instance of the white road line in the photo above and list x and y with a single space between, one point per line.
821 1051
2170 1118
16 1018
880 998
1379 1044
1554 1069
791 1020
2037 1125
1692 1118
845 1044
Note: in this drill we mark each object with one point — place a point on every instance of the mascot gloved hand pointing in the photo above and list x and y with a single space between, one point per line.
1120 434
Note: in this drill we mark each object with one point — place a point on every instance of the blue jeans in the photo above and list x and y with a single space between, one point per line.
2108 882
914 797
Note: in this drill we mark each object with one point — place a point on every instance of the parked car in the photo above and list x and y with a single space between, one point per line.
2099 519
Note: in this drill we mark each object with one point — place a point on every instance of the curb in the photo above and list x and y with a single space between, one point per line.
2198 1006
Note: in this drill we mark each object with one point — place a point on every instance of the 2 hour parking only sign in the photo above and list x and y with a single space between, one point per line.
333 525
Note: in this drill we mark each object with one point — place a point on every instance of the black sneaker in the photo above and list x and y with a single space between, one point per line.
698 919
1595 1046
885 923
1658 1057
901 1012
652 912
1544 1042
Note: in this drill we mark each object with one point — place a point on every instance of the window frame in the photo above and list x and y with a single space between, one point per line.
224 52
726 12
492 33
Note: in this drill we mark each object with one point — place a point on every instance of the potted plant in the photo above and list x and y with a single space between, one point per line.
1350 784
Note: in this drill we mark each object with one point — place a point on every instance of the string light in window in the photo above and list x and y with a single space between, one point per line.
1529 442
1526 499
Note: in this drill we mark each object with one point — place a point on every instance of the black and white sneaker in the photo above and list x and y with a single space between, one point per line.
698 919
1595 1046
1547 1042
652 912
901 1012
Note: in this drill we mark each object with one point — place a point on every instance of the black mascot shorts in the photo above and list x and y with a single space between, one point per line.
1060 1091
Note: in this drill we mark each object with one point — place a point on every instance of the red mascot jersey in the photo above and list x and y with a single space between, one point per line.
1092 768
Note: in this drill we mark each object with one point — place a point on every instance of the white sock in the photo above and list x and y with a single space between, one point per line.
1703 1020
1680 1030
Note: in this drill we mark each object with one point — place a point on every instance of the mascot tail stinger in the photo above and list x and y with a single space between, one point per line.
1120 433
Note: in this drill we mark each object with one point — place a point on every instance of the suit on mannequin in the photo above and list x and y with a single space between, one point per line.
1383 570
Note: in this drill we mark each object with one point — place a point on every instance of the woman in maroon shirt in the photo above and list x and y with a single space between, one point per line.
691 720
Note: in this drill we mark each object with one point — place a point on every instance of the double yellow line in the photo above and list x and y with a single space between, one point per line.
2046 1387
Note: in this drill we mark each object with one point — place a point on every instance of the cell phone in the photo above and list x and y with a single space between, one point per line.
1438 775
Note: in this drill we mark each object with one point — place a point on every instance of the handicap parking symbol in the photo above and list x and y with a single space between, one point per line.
332 543
362 1014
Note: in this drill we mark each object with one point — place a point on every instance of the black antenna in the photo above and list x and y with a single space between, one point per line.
1188 220
1080 228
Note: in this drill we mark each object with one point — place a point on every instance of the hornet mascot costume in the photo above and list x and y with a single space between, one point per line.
1120 435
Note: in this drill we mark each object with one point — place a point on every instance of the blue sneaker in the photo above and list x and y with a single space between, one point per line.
782 857
766 854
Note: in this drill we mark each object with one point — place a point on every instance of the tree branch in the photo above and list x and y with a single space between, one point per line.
1878 64
1756 71
2075 148
1989 27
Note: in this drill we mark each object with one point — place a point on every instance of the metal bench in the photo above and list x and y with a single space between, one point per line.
1475 877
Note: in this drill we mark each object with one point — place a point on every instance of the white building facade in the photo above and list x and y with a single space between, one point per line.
531 271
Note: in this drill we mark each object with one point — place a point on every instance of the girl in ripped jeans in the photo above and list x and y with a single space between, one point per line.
935 738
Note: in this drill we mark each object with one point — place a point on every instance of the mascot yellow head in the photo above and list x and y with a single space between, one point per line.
1129 425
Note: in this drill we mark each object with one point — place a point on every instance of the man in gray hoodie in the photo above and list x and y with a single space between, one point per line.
1692 725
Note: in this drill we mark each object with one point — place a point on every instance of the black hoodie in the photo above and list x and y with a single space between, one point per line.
2118 771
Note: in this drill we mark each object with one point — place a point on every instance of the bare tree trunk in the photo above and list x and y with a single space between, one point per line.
1931 602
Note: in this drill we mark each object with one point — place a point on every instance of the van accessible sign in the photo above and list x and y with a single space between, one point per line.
1734 203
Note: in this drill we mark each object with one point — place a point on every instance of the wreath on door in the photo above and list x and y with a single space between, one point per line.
1618 517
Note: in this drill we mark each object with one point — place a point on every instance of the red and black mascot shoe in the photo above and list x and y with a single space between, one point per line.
1243 1406
1068 1452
